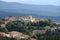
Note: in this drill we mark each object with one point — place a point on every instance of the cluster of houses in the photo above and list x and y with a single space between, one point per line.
23 19
16 34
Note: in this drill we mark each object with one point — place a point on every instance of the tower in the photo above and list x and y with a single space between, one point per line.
30 17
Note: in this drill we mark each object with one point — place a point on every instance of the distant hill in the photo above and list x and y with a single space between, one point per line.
45 10
39 11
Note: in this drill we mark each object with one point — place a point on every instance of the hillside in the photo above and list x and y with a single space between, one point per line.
45 10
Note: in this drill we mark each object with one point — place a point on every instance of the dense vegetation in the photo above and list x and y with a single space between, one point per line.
27 28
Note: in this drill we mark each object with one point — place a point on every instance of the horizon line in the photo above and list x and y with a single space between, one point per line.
30 4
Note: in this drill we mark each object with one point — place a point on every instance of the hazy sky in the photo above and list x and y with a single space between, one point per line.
38 2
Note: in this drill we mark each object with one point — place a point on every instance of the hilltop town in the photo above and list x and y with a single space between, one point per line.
24 19
28 27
